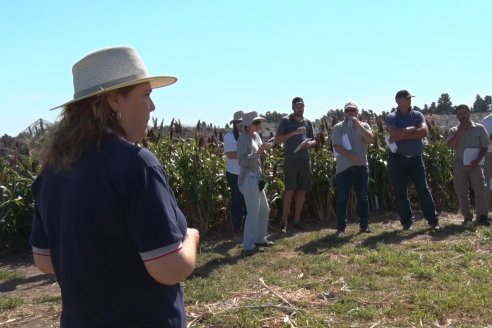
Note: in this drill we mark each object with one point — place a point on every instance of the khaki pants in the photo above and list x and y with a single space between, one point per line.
463 177
487 169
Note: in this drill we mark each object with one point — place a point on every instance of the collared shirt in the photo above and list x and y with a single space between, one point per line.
289 124
475 137
407 147
487 123
230 145
357 142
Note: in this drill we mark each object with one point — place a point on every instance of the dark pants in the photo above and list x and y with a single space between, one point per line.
238 207
400 169
358 177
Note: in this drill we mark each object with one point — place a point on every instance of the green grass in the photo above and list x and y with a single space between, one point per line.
388 278
10 303
9 275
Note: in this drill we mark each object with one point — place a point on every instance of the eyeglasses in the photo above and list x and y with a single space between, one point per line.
351 110
257 122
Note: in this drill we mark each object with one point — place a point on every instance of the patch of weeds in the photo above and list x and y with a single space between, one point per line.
48 299
10 303
9 275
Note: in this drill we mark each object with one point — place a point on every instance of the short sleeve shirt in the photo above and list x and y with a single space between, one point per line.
407 147
100 220
357 142
487 123
475 137
288 124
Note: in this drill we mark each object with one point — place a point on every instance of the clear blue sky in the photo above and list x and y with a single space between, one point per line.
250 55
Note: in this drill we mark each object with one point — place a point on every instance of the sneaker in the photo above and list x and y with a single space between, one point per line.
407 227
340 232
435 227
483 220
298 225
365 230
253 251
283 227
267 243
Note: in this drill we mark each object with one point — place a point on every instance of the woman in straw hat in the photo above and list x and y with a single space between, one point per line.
238 207
106 221
251 184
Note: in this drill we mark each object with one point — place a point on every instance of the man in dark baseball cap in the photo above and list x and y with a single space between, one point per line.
407 128
297 100
403 94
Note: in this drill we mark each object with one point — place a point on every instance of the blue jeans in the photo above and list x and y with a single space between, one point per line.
357 176
256 225
400 169
238 207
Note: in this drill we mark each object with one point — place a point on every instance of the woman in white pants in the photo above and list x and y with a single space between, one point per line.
250 184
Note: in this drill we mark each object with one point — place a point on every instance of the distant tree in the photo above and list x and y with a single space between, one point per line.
227 126
480 105
425 110
417 108
488 100
432 108
444 104
274 117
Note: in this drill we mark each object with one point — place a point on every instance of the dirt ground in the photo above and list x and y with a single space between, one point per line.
40 294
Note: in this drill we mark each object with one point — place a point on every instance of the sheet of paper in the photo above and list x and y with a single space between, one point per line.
392 145
346 142
301 144
471 154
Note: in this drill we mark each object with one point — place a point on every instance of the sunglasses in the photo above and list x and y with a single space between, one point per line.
257 122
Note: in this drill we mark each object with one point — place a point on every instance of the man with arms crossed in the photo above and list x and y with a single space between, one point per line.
407 128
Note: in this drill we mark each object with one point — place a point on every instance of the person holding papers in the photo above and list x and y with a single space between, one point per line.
294 131
350 138
407 128
470 142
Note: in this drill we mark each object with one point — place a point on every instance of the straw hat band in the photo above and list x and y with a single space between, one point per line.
107 85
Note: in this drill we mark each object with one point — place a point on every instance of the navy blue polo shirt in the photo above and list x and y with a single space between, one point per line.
100 220
407 147
288 124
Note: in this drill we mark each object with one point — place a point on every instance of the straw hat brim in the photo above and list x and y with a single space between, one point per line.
155 82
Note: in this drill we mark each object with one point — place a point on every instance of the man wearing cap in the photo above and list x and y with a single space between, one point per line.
350 138
470 142
407 128
293 131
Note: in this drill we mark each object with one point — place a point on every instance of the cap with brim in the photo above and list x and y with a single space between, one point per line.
110 69
249 118
350 104
403 94
297 100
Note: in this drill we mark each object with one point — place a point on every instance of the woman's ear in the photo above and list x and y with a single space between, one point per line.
113 101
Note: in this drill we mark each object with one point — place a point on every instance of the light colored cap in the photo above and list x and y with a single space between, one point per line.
350 104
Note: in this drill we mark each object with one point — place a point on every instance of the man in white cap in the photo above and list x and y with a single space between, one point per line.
350 138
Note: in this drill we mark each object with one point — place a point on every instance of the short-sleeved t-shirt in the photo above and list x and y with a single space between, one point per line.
100 220
288 124
407 147
359 145
475 137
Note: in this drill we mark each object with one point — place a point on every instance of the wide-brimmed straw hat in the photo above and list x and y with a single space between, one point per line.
249 118
237 117
110 69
